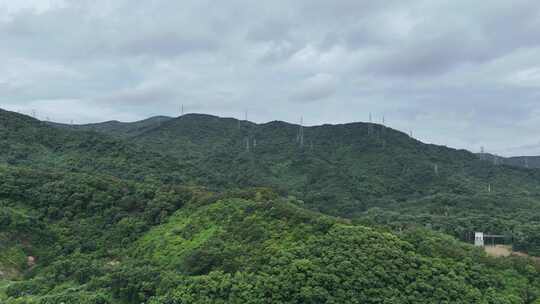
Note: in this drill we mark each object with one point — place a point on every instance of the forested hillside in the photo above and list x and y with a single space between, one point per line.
524 161
358 170
98 239
117 128
529 162
202 209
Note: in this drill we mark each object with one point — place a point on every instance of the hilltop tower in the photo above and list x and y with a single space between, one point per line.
301 132
370 126
482 153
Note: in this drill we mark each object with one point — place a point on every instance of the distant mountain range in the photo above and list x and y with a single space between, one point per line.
133 129
532 162
117 128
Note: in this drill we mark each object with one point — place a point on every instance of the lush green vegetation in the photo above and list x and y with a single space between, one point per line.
356 170
110 241
178 211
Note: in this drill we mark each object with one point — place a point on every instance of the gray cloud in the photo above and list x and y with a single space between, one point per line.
140 95
455 72
315 88
167 44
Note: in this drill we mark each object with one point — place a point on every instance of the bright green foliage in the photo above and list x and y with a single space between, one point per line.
326 262
123 217
108 249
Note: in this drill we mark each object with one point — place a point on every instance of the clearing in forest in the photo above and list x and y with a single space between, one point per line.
498 250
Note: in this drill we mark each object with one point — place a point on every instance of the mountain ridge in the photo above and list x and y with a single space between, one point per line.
172 212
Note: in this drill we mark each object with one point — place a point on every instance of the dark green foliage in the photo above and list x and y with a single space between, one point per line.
29 142
119 129
516 216
345 170
179 211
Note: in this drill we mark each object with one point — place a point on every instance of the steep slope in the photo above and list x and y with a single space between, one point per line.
341 169
275 251
110 242
115 220
366 161
25 141
347 170
75 226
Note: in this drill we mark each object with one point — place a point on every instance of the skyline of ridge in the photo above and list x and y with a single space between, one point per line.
405 132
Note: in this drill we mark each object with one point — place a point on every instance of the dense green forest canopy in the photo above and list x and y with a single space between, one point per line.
202 209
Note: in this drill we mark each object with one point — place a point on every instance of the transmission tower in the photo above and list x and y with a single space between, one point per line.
482 153
383 127
301 132
370 126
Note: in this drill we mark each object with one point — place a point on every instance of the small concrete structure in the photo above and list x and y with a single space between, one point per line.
479 239
31 261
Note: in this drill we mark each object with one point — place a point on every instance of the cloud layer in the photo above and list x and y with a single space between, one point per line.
455 72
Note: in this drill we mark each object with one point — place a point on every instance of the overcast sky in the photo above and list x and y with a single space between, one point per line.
460 73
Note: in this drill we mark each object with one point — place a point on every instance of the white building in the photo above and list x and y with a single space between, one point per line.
479 239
